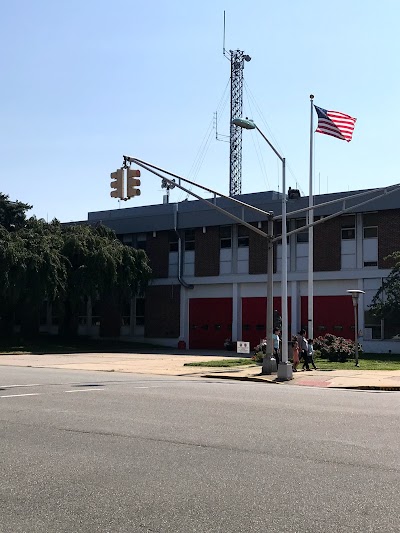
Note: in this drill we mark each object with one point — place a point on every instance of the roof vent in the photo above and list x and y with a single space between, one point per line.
293 193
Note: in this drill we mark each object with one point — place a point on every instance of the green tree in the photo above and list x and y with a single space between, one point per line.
386 302
32 270
12 214
99 267
64 264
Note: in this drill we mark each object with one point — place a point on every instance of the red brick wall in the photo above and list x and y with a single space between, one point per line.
162 313
258 251
157 249
327 245
207 246
388 236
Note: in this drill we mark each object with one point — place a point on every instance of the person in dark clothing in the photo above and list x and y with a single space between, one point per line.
304 348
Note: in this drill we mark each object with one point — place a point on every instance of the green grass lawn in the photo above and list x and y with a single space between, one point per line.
367 362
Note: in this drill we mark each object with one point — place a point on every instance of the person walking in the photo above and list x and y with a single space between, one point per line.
304 349
276 343
311 353
295 353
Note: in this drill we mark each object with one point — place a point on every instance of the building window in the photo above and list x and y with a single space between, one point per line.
370 239
141 242
349 228
391 328
127 239
173 241
96 316
348 234
126 313
189 239
371 232
225 234
243 237
373 324
302 236
370 219
140 307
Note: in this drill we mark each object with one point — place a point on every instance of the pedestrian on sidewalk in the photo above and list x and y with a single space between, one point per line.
276 343
295 353
304 349
311 353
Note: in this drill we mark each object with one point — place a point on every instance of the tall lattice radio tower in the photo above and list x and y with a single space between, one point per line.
237 59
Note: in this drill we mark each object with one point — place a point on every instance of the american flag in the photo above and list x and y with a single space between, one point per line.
334 123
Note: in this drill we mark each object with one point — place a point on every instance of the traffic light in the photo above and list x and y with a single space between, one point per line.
117 183
132 183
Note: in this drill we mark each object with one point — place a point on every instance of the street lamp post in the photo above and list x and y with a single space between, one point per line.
285 371
355 294
266 368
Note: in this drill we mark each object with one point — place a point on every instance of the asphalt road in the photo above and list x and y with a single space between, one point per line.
107 452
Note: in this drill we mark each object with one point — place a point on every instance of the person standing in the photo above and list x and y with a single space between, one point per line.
295 353
311 353
304 349
276 344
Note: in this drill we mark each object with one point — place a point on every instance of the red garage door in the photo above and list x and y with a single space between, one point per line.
332 314
254 318
210 322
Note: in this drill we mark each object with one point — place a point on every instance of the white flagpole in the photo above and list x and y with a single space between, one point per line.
311 232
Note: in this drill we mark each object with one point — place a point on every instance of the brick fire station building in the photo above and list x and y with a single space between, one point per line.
209 274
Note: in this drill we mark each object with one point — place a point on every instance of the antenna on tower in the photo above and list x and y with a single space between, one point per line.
219 136
223 41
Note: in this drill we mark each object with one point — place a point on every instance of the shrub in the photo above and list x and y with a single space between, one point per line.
335 349
258 357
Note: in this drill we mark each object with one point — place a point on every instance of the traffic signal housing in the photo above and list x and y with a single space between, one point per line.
132 182
117 183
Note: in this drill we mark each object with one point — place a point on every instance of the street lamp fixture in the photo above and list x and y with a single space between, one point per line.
355 294
245 123
285 371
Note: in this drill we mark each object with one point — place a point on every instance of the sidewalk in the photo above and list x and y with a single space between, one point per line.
338 379
172 364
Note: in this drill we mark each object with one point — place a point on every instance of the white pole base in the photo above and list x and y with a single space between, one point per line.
285 371
269 365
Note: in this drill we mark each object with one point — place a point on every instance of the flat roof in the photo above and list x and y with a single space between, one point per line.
197 213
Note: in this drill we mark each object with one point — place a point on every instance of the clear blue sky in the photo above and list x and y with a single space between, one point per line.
84 82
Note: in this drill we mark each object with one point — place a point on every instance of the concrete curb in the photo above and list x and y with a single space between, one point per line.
275 382
242 378
366 387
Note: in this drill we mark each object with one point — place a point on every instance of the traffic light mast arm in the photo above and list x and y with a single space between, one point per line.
151 168
386 191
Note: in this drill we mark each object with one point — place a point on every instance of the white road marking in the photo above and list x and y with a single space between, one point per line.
83 390
18 395
13 386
